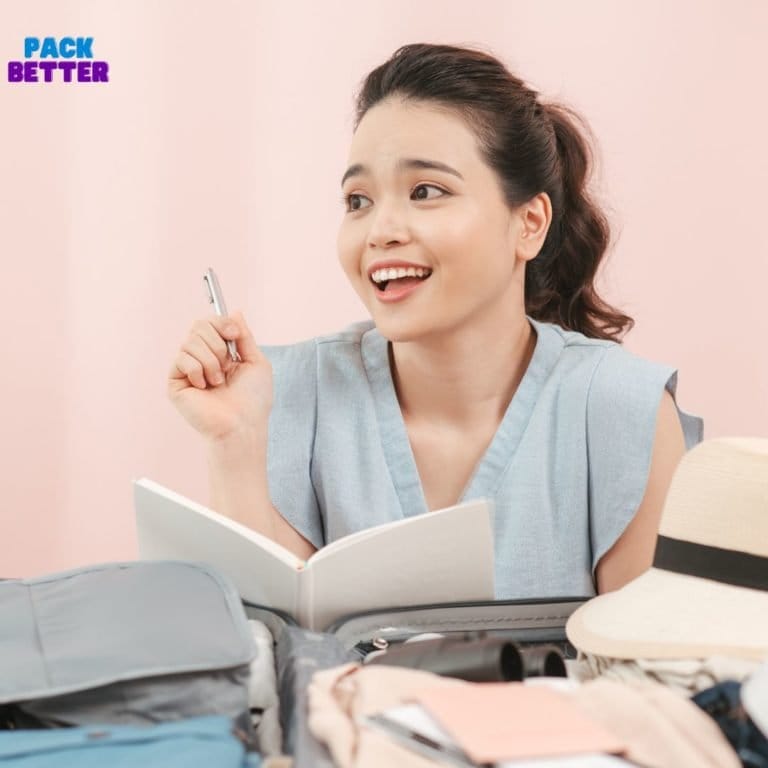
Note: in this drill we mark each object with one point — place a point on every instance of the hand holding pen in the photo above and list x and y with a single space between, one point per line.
220 380
216 297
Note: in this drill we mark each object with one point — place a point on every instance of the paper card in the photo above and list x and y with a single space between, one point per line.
493 722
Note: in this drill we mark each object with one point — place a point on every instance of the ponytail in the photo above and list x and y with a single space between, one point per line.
559 282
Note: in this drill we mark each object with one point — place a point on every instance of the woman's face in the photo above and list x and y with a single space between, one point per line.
419 192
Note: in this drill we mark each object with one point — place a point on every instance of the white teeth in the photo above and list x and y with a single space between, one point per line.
380 275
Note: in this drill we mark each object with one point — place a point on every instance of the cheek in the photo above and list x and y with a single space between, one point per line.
453 241
347 252
457 227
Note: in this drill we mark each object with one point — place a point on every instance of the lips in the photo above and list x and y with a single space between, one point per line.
395 290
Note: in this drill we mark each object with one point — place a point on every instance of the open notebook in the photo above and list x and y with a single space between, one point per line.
441 556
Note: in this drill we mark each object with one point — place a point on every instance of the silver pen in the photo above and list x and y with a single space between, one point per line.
216 297
419 742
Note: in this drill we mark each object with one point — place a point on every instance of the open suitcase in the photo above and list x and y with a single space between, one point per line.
129 644
300 653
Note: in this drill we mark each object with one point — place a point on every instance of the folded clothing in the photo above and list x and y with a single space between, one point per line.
661 728
197 742
726 705
688 676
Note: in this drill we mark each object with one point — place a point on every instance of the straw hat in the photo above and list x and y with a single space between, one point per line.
707 591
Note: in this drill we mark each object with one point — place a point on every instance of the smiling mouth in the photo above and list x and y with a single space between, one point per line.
398 282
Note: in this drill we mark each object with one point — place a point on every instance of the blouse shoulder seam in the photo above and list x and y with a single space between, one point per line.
352 334
337 340
607 348
575 339
600 343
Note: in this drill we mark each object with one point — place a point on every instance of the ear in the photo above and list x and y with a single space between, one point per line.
533 220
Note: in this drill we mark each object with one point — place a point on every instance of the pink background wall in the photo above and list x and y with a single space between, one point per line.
220 141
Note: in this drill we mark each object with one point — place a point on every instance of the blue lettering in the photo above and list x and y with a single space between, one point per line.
84 47
67 48
49 49
31 44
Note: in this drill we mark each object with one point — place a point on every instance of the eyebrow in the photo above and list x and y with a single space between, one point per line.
406 163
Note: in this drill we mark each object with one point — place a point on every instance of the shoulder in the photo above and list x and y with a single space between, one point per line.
351 335
613 373
623 377
605 370
609 360
299 369
624 393
308 350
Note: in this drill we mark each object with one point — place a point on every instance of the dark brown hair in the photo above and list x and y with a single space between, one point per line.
533 147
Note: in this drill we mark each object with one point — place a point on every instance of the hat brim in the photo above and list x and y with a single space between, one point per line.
665 615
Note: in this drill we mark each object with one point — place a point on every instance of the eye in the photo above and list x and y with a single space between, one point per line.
427 186
349 201
353 202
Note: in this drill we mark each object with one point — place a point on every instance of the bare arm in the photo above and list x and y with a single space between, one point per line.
237 469
632 554
229 404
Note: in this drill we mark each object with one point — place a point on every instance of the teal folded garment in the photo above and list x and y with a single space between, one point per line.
199 742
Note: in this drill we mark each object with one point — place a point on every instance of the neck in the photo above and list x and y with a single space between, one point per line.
465 379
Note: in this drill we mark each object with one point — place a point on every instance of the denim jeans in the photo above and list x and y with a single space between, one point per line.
722 702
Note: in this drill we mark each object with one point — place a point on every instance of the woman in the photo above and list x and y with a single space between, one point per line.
490 366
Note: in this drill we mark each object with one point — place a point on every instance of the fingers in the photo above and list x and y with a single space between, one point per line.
211 331
196 348
204 358
188 367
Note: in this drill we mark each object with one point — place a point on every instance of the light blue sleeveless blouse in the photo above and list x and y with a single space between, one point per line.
566 469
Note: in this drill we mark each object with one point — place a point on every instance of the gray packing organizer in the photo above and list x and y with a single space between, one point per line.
123 643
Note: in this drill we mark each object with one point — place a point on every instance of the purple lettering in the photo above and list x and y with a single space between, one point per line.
100 72
66 67
15 72
45 71
48 67
83 71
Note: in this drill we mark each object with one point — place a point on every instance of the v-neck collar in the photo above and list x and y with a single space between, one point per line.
489 471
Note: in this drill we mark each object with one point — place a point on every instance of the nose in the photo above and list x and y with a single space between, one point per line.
388 225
